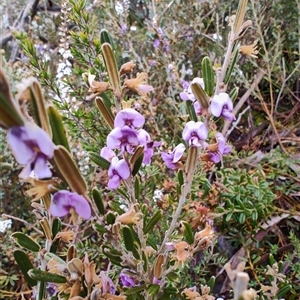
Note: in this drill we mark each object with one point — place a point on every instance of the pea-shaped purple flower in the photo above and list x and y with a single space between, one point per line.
221 105
129 117
32 147
171 159
195 133
63 201
117 171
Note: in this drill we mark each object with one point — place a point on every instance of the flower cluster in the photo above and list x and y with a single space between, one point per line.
126 136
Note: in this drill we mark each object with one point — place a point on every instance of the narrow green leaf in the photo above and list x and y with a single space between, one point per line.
232 63
58 130
211 282
208 76
25 265
128 238
180 177
105 37
98 201
99 160
26 242
152 289
234 93
10 114
41 290
44 276
191 111
188 232
56 228
137 165
137 188
153 221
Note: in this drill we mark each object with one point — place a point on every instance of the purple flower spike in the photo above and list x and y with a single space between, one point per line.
223 149
195 133
63 201
117 171
221 105
31 146
129 117
122 138
171 159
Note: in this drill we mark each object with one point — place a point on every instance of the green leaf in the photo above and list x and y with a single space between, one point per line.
134 290
208 76
26 242
25 265
128 238
58 130
234 93
98 201
137 165
44 276
110 218
153 221
211 282
188 232
10 114
41 290
137 188
191 111
105 37
180 177
152 289
232 63
99 160
242 218
56 228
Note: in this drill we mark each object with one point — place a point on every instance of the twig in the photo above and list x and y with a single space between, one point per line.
23 221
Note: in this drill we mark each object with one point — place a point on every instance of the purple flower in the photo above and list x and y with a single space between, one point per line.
145 140
171 159
107 153
51 289
31 146
215 155
156 43
117 171
63 201
127 280
123 28
197 108
187 94
108 286
122 138
152 63
195 133
129 117
221 105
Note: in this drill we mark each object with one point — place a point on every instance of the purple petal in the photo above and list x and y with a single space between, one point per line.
188 129
21 151
60 204
145 88
186 96
144 137
122 137
199 81
41 168
201 130
26 172
114 182
227 115
226 101
41 138
123 169
129 117
81 206
178 151
107 153
216 106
